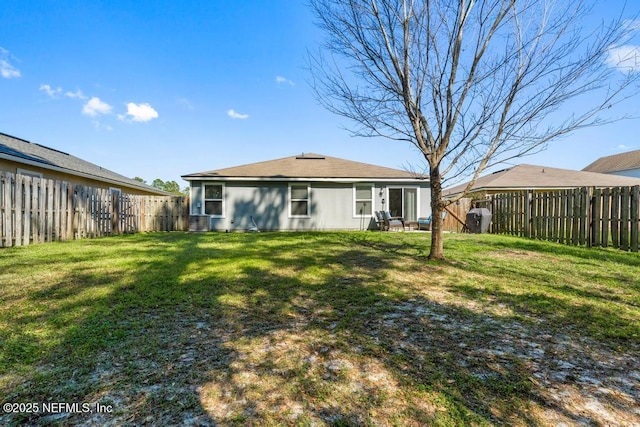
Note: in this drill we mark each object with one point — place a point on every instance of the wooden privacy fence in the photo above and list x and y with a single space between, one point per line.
582 216
35 210
456 215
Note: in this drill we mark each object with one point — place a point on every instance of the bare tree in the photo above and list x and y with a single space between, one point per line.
470 83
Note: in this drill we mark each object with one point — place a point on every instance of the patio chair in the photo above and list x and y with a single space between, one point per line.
392 222
425 223
380 221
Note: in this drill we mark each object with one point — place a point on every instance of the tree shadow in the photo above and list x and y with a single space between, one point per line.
279 328
268 207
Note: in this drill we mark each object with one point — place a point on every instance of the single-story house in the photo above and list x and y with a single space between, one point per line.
304 192
28 158
539 178
624 164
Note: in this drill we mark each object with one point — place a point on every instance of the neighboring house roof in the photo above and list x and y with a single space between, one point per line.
307 166
615 163
29 153
530 177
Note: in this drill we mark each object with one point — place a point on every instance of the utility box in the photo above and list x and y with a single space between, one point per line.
199 223
478 220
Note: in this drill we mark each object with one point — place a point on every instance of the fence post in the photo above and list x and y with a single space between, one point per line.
624 218
615 217
606 215
595 226
26 222
575 217
527 213
635 217
18 209
115 221
78 202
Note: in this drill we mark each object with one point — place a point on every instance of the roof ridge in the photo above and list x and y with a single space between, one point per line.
291 167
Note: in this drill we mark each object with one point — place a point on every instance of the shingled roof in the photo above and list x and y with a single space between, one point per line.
530 177
306 166
29 153
615 163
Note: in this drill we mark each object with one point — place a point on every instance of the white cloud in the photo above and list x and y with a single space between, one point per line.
140 112
94 107
54 92
283 80
7 70
75 95
624 58
234 115
100 126
50 91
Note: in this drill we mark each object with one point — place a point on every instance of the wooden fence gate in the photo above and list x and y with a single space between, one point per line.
35 210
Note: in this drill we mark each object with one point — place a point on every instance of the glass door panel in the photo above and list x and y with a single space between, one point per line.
410 204
395 201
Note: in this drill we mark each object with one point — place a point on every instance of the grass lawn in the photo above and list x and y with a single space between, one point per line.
319 329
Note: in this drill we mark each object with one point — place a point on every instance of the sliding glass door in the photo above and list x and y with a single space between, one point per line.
404 202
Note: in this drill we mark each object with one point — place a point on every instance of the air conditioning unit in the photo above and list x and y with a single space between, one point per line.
199 223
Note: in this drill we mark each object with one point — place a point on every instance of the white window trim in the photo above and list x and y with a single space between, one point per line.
224 197
355 200
289 200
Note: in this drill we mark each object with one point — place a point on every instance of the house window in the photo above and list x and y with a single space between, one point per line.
299 197
362 200
214 199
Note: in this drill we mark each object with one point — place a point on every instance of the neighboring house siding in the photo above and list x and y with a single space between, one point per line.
331 205
634 173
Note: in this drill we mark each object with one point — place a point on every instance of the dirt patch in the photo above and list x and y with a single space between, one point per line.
573 380
307 372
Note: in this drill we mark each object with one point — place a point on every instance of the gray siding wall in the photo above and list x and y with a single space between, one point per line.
331 205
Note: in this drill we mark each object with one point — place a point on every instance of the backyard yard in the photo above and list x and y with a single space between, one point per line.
318 329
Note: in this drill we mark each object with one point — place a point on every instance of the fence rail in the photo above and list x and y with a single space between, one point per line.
582 216
36 210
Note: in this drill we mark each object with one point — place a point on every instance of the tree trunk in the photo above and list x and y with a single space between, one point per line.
437 206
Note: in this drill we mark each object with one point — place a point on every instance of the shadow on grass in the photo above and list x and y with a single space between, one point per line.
263 328
593 290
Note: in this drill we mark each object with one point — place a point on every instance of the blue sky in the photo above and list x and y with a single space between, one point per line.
161 89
